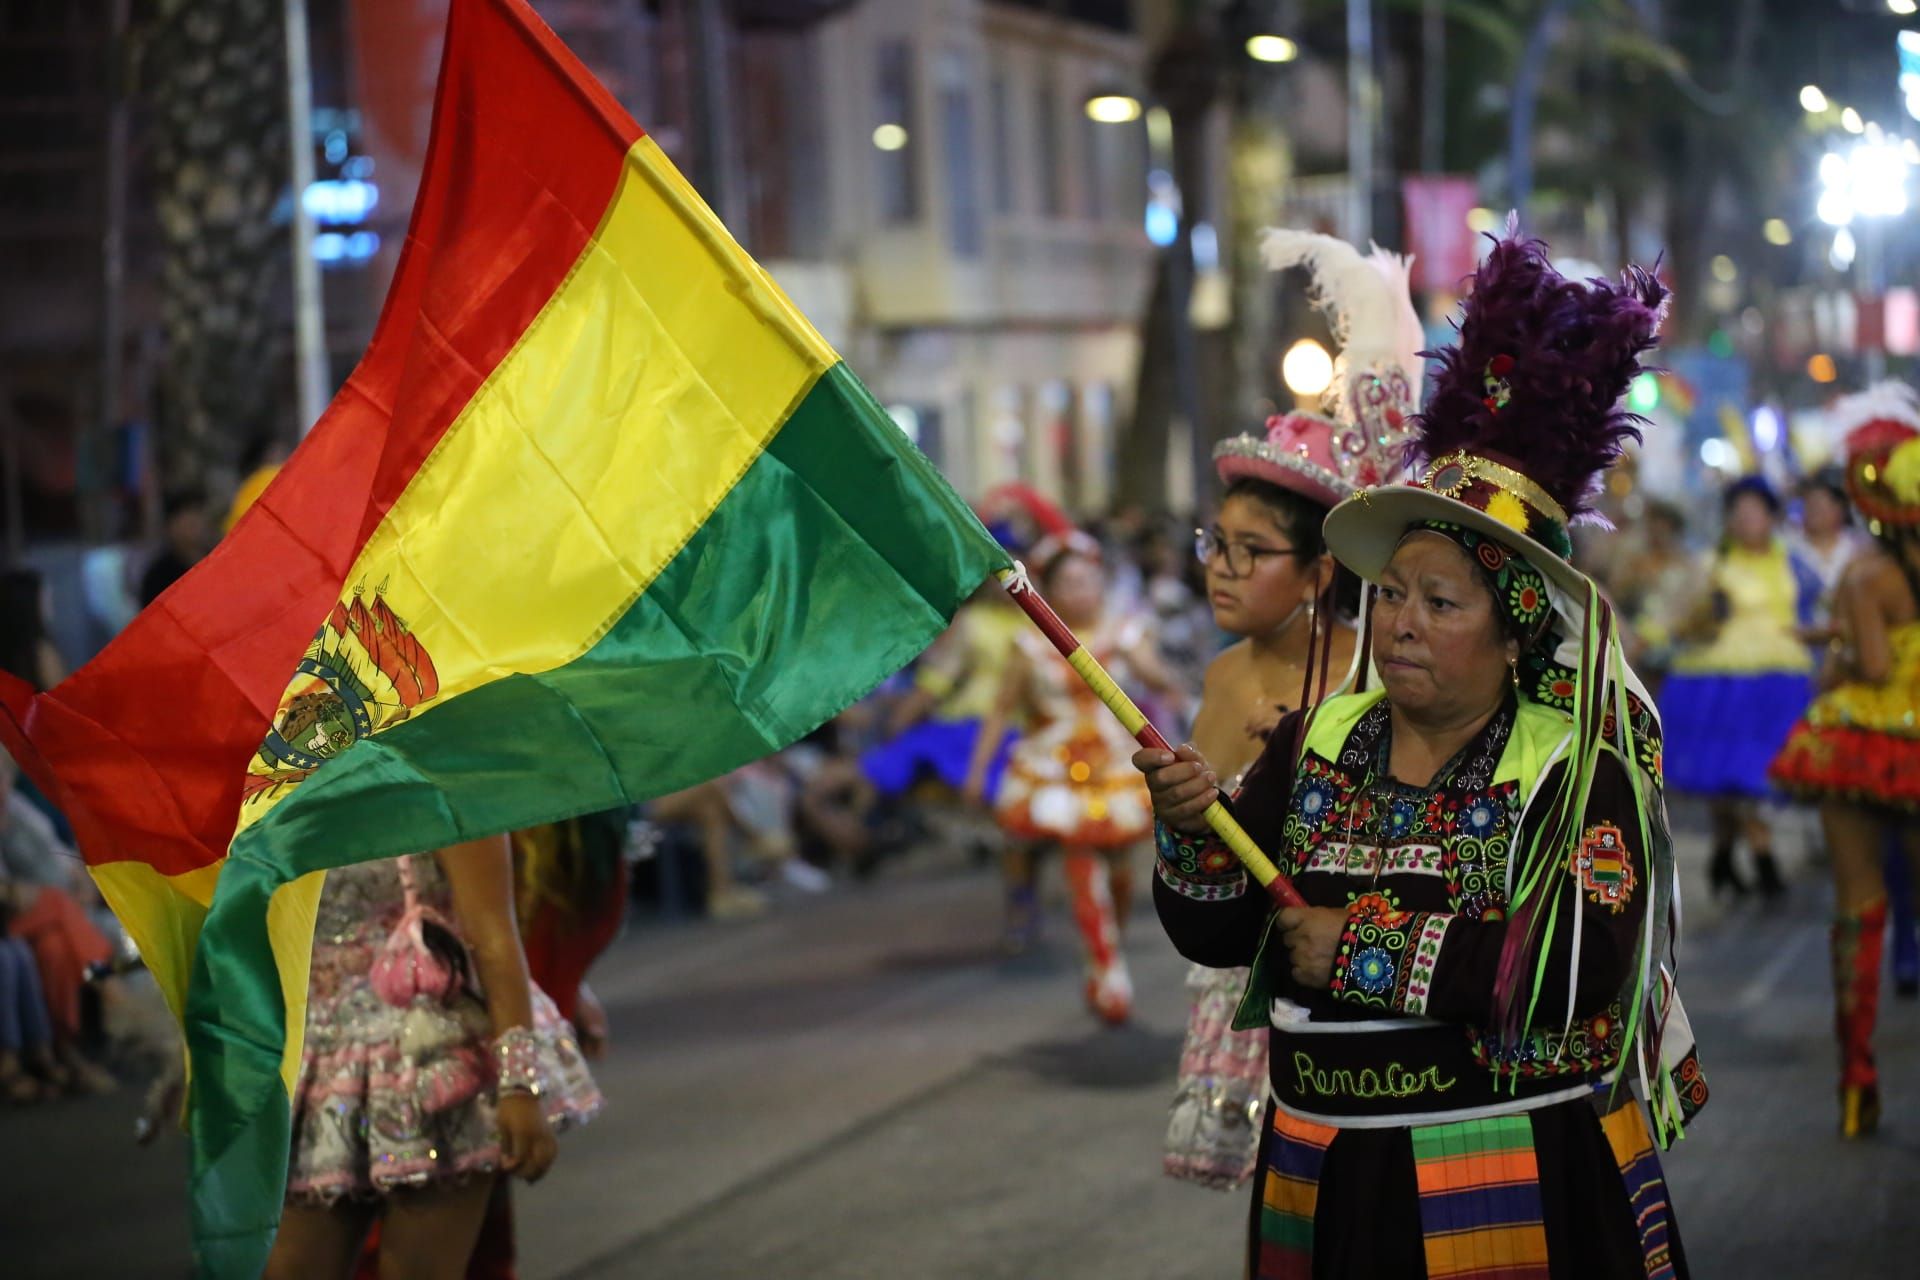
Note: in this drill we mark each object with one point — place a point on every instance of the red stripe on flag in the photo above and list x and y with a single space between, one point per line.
145 748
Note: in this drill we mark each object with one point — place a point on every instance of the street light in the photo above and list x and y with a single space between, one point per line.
1812 100
1777 231
1113 108
1307 369
1869 181
1905 8
890 137
1850 121
1272 49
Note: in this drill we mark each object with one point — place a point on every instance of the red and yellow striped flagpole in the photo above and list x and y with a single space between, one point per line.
1261 867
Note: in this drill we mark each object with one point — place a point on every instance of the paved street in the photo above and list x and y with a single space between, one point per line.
858 1086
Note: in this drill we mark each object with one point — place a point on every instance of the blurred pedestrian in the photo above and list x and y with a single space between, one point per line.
1655 590
1824 536
260 462
1067 783
1735 690
1856 752
933 727
188 535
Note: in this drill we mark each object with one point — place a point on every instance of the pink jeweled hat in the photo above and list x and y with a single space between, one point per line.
1376 378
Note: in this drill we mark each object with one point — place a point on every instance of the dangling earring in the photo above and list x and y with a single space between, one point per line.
1513 671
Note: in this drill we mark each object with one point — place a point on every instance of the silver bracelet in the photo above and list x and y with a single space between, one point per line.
516 1061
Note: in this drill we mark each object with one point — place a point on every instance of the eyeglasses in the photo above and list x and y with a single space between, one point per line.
1241 559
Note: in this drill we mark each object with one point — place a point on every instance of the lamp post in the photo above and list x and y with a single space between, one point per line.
311 377
1169 227
1867 184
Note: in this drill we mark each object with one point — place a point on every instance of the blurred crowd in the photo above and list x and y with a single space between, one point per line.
901 775
985 756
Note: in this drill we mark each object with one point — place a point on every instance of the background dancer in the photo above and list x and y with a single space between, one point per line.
1733 696
1067 782
1857 751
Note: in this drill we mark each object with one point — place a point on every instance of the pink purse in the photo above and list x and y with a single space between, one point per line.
422 956
422 968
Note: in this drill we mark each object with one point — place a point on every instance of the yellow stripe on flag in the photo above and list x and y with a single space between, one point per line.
290 916
686 359
162 915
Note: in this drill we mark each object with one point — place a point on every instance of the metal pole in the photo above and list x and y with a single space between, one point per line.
1433 88
113 275
1867 267
714 136
11 486
1526 95
1362 110
309 326
1189 434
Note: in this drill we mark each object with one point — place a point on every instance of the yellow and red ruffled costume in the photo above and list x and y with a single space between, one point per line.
1861 742
1071 779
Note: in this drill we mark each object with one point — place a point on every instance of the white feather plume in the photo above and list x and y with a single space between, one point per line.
1891 400
1365 297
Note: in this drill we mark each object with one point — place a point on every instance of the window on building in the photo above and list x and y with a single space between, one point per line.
1046 132
1096 445
956 142
1061 440
1007 436
894 125
1004 199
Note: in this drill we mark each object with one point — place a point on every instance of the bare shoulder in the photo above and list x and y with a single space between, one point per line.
1230 666
1872 570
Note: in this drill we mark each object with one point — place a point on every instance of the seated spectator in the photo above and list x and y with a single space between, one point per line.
28 1070
43 884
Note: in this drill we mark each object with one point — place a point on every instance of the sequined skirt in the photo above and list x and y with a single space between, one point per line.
390 1097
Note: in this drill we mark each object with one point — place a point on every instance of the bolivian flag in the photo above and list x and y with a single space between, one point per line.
598 516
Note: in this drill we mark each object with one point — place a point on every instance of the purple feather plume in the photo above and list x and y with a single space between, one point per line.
1573 350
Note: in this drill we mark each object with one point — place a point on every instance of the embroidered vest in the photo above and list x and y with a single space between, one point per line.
1538 736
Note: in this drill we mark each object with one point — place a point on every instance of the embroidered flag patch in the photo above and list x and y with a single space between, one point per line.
1605 870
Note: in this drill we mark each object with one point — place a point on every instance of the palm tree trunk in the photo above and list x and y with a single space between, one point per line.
213 76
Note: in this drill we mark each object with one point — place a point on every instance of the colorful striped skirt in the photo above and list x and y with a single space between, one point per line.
1552 1193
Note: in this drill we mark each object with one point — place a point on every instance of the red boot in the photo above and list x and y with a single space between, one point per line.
1857 944
1109 989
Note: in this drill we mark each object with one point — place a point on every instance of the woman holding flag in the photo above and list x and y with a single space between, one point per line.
1459 1013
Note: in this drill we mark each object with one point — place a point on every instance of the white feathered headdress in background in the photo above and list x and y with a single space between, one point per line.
1378 372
